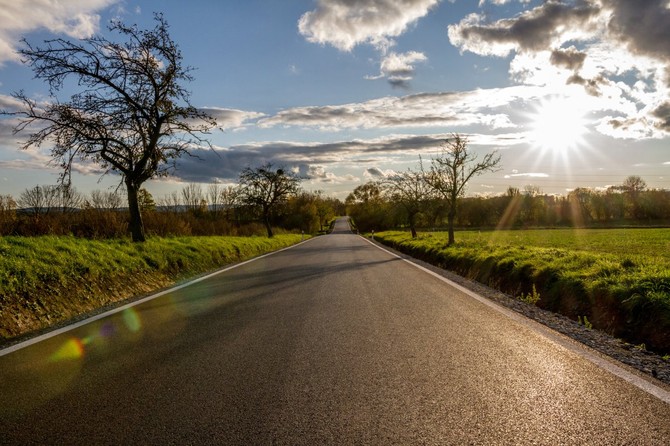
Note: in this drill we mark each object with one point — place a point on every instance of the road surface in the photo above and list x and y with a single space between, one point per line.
333 341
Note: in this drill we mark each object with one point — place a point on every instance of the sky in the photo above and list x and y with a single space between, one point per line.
570 93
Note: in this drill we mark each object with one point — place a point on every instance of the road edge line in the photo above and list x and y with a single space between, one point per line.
58 331
562 340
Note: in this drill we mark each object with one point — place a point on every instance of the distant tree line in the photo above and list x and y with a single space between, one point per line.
377 206
194 210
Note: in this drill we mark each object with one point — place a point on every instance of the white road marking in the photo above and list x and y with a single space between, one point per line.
81 323
550 334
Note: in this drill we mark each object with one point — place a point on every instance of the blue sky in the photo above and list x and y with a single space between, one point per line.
571 93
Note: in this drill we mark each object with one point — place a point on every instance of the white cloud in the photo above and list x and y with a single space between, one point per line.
229 118
345 23
398 68
616 50
477 107
74 18
316 173
527 175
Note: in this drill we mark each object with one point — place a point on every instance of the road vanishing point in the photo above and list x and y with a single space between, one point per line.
333 341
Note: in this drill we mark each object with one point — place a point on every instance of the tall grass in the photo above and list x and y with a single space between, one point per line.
45 280
618 278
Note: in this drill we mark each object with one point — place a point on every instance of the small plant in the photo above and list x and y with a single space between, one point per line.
531 298
585 322
666 358
641 347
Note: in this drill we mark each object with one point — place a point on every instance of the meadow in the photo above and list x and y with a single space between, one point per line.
618 278
50 279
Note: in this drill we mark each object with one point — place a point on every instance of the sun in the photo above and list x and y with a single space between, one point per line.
558 125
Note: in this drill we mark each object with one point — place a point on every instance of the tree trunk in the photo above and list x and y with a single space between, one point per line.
450 225
136 225
268 227
412 227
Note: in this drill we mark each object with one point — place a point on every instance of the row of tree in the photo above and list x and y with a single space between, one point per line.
390 204
266 197
413 193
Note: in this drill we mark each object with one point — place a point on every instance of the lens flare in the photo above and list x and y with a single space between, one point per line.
132 320
73 348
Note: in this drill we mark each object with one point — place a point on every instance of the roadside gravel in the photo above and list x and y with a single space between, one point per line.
646 362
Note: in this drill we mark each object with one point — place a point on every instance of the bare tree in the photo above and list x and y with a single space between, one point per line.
105 200
192 196
229 198
39 199
267 187
7 213
68 198
214 197
411 191
171 202
451 171
133 116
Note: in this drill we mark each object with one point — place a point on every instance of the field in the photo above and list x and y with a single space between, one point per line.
618 278
46 280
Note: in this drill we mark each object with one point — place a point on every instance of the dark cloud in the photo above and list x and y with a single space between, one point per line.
311 160
644 25
662 112
375 172
536 29
569 58
591 86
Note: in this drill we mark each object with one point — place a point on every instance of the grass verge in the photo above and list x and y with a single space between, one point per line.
618 279
50 279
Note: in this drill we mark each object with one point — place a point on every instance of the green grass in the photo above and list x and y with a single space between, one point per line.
45 280
619 278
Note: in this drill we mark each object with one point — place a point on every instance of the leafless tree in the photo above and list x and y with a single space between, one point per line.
68 198
192 196
105 200
451 171
40 199
214 197
411 191
267 187
7 213
133 115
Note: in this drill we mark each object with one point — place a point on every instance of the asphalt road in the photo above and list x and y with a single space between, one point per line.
330 342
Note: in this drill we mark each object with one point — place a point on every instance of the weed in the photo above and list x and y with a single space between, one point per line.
585 322
531 298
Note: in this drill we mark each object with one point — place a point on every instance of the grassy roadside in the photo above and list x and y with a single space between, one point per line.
50 279
618 279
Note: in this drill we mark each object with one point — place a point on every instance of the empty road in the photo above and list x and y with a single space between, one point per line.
333 341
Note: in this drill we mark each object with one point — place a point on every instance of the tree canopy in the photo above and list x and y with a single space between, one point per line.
132 115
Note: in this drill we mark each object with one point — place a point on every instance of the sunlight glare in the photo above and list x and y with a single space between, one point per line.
558 125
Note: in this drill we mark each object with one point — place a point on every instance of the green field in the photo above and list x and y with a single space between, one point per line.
618 278
46 280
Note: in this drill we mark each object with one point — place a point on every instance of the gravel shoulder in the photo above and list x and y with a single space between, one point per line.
648 364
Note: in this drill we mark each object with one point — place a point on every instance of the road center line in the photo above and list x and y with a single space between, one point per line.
548 333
